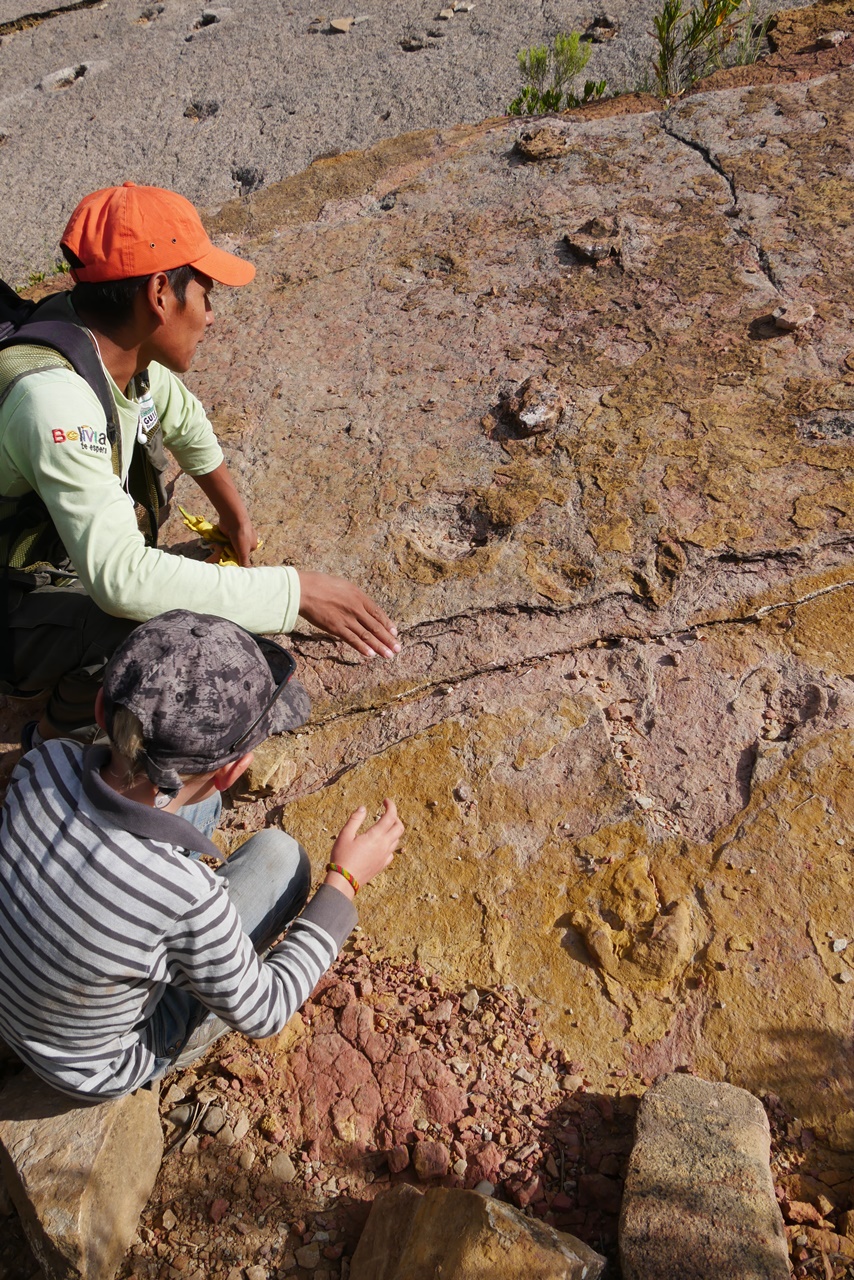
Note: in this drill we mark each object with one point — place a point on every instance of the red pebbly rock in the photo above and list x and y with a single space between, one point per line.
218 1209
341 1110
368 1102
799 1211
424 1070
325 1051
525 1191
375 1046
431 1159
484 1163
605 1106
445 1105
355 1019
299 1066
398 1158
336 995
443 1012
562 1202
391 1076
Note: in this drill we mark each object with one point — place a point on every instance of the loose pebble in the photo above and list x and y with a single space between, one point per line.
793 315
282 1168
832 39
214 1120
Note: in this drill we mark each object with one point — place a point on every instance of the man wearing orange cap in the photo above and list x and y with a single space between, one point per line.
79 571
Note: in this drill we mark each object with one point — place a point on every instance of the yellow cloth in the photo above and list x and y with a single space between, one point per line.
213 535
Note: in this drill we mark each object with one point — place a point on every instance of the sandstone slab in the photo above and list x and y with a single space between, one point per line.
619 727
467 1236
79 1175
699 1200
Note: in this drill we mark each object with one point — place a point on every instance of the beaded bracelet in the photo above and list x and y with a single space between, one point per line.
342 871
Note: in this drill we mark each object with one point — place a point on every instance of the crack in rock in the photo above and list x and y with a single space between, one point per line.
29 20
734 210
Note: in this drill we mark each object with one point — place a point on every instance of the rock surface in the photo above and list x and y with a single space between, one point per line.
228 99
78 1175
699 1201
619 727
465 1235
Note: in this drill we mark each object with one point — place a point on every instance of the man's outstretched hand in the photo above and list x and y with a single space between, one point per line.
343 610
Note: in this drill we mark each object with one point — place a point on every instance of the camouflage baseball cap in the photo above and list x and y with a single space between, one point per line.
204 690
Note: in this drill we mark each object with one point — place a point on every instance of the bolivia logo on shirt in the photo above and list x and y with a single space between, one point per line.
89 440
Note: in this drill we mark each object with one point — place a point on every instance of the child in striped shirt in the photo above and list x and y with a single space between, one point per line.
121 954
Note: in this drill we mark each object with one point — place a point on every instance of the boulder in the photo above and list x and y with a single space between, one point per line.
464 1235
699 1200
78 1174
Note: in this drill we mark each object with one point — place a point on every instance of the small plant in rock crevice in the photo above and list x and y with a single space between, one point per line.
750 38
694 40
550 71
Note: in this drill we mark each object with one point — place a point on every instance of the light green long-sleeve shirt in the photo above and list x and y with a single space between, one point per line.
53 440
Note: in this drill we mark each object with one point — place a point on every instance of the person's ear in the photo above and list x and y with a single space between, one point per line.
158 294
228 774
100 718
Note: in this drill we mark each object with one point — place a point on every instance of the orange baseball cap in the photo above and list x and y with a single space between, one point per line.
127 231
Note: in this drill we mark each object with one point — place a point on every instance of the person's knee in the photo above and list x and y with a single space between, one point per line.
279 859
295 863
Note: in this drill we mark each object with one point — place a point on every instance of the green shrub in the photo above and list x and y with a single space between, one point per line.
549 72
694 41
691 41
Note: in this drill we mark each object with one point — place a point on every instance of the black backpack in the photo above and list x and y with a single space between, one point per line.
30 549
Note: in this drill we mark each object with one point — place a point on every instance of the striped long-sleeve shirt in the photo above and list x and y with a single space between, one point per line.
101 909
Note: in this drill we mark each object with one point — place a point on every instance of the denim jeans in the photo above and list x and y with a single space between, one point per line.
268 879
204 816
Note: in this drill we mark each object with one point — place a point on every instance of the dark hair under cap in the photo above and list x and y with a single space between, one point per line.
196 683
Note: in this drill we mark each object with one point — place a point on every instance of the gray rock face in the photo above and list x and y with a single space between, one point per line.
220 101
699 1201
464 1235
79 1176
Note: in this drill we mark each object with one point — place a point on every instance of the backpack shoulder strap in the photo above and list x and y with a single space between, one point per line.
75 345
14 310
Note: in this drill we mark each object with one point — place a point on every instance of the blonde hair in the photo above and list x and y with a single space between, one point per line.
127 737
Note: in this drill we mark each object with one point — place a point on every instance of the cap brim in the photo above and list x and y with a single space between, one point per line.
224 268
291 709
